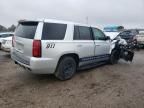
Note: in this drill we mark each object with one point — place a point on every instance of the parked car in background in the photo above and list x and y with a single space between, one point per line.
140 38
6 44
129 35
5 35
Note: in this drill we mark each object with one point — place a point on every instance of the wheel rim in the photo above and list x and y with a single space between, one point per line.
68 69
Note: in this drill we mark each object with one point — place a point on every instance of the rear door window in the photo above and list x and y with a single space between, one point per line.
53 31
26 30
82 33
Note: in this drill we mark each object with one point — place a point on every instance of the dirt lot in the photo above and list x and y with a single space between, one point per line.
117 86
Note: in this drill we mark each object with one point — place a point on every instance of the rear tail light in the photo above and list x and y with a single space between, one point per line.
13 40
36 52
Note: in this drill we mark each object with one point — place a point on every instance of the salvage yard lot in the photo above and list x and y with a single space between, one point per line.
107 86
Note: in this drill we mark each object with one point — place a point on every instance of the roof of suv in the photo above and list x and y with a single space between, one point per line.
55 21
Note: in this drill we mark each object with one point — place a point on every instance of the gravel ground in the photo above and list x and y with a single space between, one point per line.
108 86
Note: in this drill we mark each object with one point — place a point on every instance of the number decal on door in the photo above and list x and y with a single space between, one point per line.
50 45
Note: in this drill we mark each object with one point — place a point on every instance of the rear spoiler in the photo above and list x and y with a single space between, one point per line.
31 21
25 22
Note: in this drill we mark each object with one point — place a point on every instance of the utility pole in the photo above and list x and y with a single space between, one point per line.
87 20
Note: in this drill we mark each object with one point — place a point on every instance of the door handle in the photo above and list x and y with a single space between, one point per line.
97 45
79 45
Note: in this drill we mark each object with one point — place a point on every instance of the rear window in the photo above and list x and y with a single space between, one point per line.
26 30
53 31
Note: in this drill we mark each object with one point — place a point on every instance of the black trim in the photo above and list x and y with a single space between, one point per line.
94 58
20 59
92 34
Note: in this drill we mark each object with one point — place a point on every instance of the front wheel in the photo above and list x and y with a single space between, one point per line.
0 46
114 57
66 68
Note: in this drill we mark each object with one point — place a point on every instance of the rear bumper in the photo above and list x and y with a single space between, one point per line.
35 65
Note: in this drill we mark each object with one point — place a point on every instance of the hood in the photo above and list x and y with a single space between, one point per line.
112 35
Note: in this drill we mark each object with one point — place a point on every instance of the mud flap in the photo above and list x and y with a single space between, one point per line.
127 55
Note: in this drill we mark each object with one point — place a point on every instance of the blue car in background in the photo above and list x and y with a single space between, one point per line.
113 28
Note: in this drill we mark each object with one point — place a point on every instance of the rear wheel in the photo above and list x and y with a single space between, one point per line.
66 68
114 57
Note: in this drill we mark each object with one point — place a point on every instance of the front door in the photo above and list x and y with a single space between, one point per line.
102 46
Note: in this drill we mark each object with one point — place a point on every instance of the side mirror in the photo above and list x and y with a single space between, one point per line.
107 38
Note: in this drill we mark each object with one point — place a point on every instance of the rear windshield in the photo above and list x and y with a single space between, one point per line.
26 30
53 31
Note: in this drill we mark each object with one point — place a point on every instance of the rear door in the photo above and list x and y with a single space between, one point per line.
53 39
102 46
84 44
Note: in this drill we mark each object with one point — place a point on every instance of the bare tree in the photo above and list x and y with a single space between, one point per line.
12 28
3 29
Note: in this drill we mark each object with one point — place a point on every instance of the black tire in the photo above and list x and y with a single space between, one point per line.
0 46
114 57
66 68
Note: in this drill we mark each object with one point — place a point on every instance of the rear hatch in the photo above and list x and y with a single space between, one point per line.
23 40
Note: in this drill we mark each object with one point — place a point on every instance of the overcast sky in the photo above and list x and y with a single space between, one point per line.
129 13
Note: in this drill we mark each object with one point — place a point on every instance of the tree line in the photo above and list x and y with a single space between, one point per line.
9 29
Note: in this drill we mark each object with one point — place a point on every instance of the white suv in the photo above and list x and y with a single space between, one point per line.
5 35
59 47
